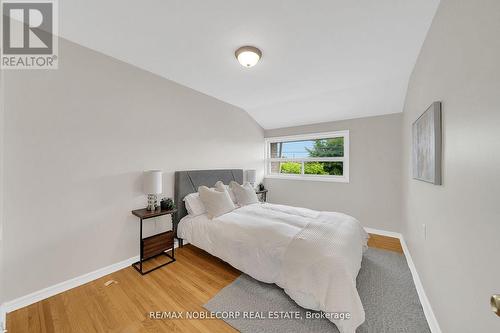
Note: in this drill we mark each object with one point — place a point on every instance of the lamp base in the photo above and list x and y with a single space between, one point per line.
152 199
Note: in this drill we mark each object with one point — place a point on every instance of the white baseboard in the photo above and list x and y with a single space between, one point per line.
384 233
39 295
3 317
80 280
426 305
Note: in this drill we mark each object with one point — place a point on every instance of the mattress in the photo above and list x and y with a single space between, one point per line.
314 256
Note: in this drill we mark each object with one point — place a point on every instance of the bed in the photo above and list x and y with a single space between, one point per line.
314 256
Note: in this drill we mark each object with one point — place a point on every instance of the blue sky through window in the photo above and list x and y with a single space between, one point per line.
296 149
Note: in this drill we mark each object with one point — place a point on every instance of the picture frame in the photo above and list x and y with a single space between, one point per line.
427 146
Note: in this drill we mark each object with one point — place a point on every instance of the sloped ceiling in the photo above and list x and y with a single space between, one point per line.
322 60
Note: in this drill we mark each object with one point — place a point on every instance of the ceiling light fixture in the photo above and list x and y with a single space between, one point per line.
248 56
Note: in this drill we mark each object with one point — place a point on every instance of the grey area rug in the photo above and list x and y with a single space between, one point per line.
384 283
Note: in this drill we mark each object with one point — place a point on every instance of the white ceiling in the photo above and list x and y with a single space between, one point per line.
322 60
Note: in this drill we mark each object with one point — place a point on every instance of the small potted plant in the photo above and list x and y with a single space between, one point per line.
167 204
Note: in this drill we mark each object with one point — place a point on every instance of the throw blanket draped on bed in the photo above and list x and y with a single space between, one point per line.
321 265
314 256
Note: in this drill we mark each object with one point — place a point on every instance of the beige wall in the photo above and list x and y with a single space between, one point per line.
458 261
77 140
373 194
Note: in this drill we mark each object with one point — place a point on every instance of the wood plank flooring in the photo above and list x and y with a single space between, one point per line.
125 306
385 243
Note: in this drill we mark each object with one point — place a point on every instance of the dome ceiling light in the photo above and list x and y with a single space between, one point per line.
248 56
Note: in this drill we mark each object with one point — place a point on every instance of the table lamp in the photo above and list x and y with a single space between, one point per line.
152 187
251 177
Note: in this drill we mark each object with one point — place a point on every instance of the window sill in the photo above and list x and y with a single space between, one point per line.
343 179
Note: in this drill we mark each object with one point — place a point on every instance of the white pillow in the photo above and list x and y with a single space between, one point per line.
216 202
245 194
194 205
221 187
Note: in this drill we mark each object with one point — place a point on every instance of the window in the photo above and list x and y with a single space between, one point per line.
320 156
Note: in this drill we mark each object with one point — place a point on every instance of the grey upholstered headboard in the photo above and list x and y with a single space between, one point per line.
188 181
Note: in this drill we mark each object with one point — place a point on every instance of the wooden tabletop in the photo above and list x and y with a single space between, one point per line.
146 214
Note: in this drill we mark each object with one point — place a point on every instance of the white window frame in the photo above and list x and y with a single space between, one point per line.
313 136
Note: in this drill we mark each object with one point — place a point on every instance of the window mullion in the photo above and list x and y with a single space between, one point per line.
308 159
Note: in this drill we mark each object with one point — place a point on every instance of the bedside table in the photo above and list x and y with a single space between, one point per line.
262 195
156 245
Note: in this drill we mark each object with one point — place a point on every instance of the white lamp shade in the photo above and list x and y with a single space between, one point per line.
251 176
152 182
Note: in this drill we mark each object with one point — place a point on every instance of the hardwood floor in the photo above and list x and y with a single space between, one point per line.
124 306
385 243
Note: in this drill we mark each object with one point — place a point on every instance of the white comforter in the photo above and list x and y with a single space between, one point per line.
314 256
